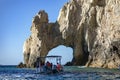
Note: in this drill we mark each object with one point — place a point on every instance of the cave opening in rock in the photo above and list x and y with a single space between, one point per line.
61 50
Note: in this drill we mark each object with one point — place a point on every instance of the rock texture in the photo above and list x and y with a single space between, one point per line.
90 27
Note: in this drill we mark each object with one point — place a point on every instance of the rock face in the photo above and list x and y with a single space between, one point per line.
90 27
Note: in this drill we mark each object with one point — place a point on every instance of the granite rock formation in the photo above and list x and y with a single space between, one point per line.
90 27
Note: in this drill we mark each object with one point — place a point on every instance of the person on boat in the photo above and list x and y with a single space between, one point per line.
54 69
41 66
59 67
51 65
38 65
48 65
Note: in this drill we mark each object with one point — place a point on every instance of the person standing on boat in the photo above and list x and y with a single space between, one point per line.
41 66
51 66
59 67
38 65
48 65
54 68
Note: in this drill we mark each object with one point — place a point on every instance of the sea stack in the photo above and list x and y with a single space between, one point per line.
90 27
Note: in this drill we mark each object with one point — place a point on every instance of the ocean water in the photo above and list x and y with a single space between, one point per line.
70 73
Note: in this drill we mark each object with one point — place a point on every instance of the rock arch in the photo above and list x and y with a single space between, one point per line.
46 36
89 27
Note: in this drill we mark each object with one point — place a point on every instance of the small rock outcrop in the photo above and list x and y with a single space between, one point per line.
90 27
21 65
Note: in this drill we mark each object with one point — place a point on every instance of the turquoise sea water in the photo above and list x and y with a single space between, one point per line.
70 73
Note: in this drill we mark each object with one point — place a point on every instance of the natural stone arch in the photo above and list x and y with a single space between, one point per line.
46 36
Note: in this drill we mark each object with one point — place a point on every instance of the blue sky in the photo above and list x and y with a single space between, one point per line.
15 22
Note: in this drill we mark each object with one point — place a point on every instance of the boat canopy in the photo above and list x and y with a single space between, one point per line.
57 57
53 56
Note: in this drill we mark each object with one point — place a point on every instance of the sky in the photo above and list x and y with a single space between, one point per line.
15 22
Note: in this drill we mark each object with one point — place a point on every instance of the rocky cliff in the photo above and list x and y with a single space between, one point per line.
90 27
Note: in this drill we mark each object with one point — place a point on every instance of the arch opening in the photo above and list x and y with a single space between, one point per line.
61 50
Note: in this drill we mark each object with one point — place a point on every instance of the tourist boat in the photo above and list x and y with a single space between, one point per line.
49 67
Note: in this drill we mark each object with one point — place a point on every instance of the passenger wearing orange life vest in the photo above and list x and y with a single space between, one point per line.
59 67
